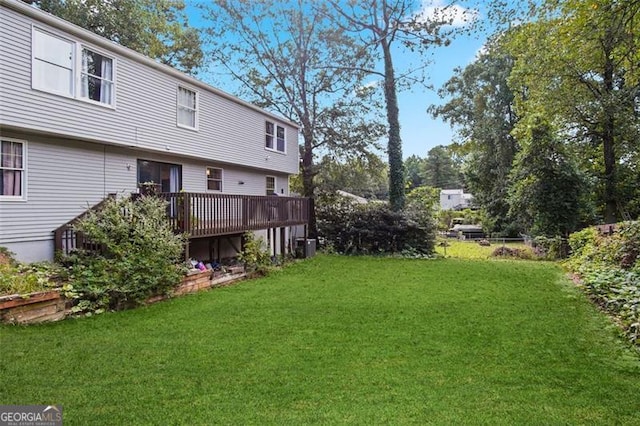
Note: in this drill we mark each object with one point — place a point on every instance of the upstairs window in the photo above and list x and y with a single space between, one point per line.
66 68
12 169
96 77
214 179
274 138
187 108
53 62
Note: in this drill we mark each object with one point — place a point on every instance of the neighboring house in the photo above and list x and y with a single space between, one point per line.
455 199
82 117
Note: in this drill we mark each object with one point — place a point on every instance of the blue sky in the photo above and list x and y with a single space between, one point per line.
419 130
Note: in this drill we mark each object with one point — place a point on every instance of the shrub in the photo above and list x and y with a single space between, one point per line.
550 248
374 228
18 278
511 252
140 255
255 255
609 268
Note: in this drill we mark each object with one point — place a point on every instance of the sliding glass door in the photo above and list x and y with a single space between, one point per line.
164 177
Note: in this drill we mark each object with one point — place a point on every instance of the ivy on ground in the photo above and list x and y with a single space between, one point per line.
609 269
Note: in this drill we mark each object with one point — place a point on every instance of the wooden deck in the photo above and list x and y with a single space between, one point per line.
209 215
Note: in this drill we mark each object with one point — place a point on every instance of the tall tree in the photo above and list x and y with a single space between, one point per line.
546 193
381 25
365 176
414 172
279 52
440 170
579 64
156 28
481 107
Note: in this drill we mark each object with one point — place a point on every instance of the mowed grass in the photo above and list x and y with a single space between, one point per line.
340 340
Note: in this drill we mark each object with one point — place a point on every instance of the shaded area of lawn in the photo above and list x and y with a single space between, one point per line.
340 340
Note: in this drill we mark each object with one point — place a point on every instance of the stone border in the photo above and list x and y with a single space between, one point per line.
33 308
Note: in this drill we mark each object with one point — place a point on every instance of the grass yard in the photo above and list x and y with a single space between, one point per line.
473 250
340 340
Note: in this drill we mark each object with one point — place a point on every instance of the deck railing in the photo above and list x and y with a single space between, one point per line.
208 215
66 239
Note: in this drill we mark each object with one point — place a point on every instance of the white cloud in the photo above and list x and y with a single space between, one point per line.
437 10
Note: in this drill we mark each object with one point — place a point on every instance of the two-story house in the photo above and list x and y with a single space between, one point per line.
455 199
82 117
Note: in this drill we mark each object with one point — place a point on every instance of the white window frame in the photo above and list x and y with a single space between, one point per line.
23 182
187 107
81 72
275 186
274 137
221 180
76 68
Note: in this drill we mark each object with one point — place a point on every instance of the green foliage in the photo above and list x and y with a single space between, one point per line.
546 191
550 248
517 253
374 228
140 255
425 198
255 254
364 175
19 278
481 106
577 63
609 267
155 28
16 278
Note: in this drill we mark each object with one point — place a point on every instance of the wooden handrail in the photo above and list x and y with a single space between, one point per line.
208 215
66 239
205 214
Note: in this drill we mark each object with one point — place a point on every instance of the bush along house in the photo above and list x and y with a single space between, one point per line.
82 117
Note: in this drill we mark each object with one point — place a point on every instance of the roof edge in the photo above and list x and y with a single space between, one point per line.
54 21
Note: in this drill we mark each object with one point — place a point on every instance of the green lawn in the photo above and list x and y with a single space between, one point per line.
340 340
473 250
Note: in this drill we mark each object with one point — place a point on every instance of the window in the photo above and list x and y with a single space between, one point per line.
96 77
52 63
280 138
274 138
214 179
12 168
59 65
271 185
187 108
166 177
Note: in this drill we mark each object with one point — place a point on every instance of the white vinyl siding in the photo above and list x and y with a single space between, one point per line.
187 108
230 132
13 154
214 179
